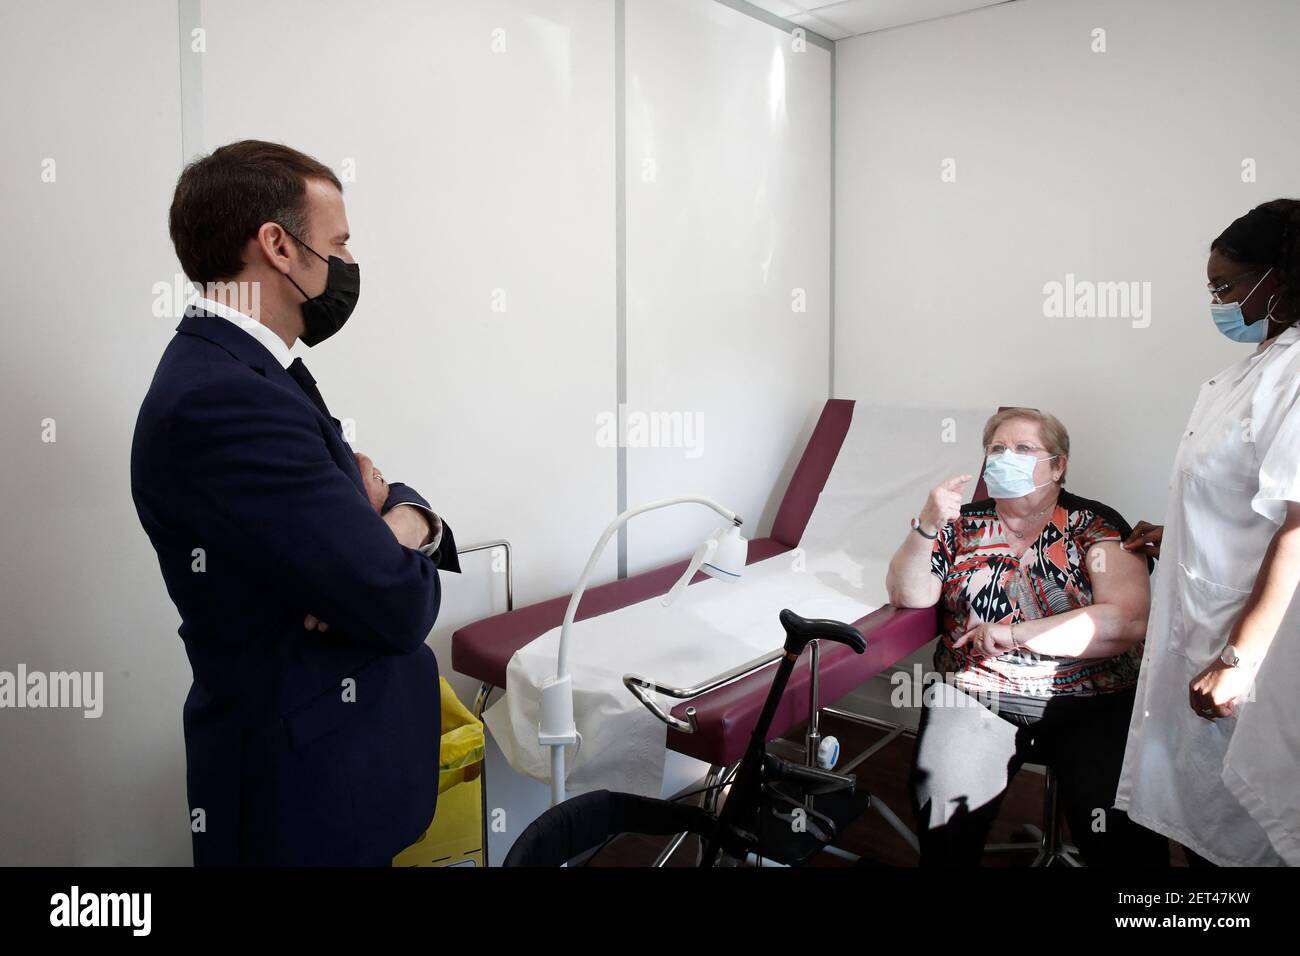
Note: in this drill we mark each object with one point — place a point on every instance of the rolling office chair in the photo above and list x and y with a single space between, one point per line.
1045 842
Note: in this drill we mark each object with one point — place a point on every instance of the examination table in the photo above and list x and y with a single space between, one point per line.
724 716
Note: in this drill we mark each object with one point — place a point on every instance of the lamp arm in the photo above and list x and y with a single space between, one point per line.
562 659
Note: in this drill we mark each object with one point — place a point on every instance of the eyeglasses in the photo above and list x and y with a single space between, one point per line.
1218 289
1022 448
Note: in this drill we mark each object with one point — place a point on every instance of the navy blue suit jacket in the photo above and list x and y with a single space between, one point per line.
301 747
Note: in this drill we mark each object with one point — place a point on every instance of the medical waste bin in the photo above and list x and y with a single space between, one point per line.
455 835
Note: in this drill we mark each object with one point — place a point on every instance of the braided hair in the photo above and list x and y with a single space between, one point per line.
1269 236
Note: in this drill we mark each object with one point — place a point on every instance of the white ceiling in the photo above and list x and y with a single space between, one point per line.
837 19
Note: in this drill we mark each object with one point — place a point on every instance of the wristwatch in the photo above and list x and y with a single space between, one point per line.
1230 656
916 526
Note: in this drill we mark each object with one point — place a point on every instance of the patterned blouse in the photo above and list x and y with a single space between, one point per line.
984 582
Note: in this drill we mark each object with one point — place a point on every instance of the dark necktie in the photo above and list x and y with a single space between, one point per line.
308 384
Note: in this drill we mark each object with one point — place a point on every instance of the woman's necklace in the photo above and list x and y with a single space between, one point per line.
1020 535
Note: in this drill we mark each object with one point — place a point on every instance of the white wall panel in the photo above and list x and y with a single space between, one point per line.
728 158
88 86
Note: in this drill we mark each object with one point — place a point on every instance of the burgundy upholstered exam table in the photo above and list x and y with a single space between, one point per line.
724 716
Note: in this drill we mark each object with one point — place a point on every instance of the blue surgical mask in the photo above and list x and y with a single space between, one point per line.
1010 475
1228 317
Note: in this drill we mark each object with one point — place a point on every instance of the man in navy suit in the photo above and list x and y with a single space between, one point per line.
306 584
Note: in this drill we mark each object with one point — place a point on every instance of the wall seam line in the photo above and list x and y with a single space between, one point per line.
620 269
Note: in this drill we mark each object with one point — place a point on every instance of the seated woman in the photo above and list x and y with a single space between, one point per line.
1042 616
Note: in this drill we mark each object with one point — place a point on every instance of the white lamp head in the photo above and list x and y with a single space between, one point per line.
721 555
727 562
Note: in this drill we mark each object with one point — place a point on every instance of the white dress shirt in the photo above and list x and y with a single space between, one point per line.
275 345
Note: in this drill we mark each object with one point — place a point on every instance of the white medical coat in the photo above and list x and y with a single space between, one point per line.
1237 466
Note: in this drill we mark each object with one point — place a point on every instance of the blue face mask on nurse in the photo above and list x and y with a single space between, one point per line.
1229 313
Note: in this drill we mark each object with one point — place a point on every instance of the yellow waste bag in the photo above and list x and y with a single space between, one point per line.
460 755
455 836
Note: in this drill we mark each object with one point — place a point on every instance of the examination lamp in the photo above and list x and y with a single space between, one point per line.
721 555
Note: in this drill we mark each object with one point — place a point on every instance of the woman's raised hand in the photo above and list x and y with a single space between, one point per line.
944 503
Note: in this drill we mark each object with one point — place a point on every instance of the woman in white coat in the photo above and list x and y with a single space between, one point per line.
1211 755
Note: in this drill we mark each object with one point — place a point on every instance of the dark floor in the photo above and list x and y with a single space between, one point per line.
884 776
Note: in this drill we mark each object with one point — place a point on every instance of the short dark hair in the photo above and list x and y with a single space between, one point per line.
222 199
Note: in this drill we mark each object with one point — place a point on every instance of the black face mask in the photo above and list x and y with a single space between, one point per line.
325 314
